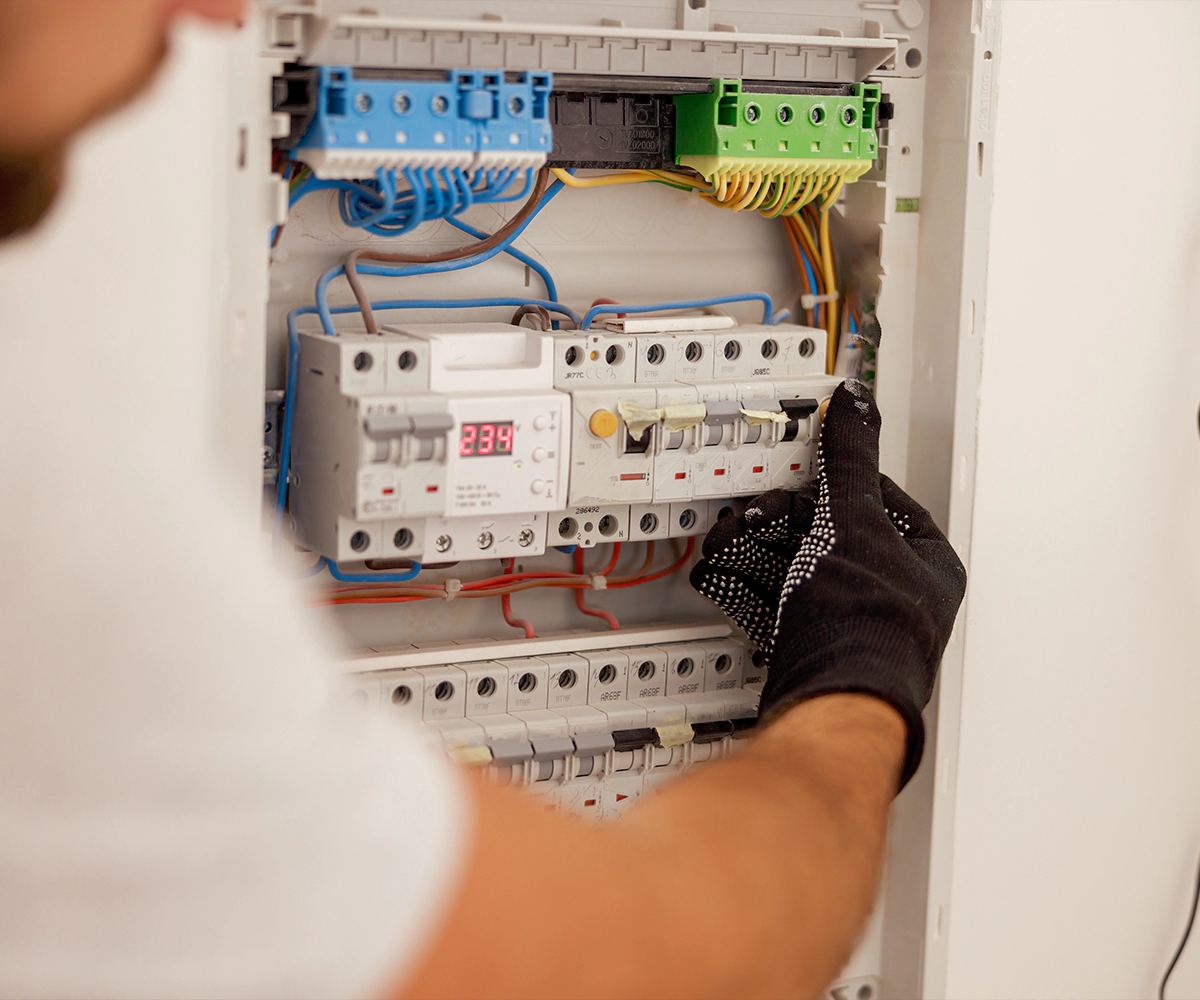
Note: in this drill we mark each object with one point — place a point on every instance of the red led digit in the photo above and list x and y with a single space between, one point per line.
487 439
504 434
466 443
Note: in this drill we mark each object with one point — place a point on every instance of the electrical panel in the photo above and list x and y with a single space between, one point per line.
554 288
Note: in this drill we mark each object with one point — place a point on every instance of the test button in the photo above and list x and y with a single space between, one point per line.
603 423
538 454
540 422
538 486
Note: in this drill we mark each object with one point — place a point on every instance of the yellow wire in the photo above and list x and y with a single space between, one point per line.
782 186
831 307
605 180
768 185
754 185
832 197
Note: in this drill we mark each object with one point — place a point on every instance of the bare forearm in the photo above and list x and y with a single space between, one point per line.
750 878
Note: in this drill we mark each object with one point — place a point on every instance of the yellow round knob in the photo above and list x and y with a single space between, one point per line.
824 406
603 423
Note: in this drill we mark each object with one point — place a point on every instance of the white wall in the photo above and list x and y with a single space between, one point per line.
1078 818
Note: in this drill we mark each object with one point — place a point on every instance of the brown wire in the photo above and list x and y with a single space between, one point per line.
541 312
364 304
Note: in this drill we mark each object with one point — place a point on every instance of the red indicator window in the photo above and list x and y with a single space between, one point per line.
796 467
629 476
491 438
718 472
681 475
388 491
431 489
757 469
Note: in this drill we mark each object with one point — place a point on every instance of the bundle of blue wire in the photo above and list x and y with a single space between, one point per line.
381 207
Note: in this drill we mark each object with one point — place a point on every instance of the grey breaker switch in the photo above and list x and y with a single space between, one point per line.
593 744
552 747
510 751
381 426
722 412
429 425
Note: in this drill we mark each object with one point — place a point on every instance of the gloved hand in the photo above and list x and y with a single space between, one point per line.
850 589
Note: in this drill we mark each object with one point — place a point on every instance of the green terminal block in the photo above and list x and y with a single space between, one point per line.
730 131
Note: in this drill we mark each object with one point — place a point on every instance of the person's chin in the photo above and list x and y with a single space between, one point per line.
29 183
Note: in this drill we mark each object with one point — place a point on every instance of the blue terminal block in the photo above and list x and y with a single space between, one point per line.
472 119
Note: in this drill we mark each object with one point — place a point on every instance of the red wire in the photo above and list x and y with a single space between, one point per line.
506 607
594 612
689 549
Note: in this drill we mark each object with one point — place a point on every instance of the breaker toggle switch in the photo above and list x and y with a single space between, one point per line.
798 411
407 438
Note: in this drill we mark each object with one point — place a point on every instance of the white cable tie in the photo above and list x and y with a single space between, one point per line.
599 582
808 301
452 586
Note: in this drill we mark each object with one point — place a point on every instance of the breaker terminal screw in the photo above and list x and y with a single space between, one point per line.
525 538
442 543
484 541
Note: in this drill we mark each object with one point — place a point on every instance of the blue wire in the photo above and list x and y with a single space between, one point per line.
524 258
769 316
853 325
337 574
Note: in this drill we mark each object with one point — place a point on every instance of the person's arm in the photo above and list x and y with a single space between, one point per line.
751 878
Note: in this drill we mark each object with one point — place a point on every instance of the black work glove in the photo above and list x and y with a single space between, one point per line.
853 590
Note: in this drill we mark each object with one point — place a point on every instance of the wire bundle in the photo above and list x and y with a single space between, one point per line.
509 583
385 208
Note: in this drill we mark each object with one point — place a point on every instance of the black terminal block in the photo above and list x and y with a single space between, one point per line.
294 92
612 130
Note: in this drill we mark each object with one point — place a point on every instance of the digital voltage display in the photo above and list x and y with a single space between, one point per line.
486 439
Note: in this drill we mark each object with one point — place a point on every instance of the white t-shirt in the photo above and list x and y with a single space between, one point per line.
187 806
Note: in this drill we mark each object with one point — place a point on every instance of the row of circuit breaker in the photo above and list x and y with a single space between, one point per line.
570 722
477 441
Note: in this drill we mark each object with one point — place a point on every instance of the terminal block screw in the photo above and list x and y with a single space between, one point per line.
484 541
515 105
362 103
442 543
402 103
440 105
525 538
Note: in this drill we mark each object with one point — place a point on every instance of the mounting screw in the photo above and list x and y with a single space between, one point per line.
515 105
525 538
484 541
442 543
